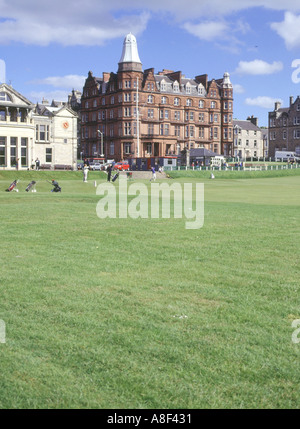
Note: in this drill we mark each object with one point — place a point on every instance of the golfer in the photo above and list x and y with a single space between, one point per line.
109 168
153 174
85 172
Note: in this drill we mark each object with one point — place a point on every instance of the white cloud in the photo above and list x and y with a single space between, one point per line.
207 30
65 83
38 96
69 81
262 101
238 89
2 71
93 22
193 9
289 30
219 31
39 25
258 67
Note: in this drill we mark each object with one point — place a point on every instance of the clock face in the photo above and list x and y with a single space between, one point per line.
65 125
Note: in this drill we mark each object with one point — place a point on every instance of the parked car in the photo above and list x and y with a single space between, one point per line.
122 166
80 166
95 166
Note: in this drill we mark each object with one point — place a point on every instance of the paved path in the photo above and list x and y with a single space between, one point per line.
144 175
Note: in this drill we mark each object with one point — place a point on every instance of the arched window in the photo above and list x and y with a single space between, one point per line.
5 97
150 98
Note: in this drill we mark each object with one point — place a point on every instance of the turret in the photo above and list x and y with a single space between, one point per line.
130 60
226 81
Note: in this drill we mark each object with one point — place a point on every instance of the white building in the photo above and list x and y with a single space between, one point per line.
55 136
250 141
28 132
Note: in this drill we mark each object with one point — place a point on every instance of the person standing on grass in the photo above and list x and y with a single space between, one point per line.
153 174
37 164
85 173
109 168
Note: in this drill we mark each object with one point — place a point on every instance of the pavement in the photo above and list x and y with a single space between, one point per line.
145 175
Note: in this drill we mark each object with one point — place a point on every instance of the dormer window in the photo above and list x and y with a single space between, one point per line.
200 89
163 86
176 87
188 88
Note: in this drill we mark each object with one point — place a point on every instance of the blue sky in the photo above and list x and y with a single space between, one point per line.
48 48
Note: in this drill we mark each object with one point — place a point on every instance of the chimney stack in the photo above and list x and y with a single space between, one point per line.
277 105
253 120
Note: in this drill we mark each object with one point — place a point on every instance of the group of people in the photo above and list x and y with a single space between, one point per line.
238 165
110 168
197 164
37 164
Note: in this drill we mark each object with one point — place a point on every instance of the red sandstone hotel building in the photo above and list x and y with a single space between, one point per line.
138 114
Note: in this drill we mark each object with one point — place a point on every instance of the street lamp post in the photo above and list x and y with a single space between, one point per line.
137 119
102 154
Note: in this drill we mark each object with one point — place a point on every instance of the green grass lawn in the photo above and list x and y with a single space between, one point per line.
124 313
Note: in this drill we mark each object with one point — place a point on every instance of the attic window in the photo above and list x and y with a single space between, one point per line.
4 97
176 87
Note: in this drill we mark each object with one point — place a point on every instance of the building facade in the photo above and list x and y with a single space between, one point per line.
16 128
29 131
284 128
55 135
250 141
135 113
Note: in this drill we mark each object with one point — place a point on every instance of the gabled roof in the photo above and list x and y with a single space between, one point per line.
18 100
201 152
52 111
283 110
245 125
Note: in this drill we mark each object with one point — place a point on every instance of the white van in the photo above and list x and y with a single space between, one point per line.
285 155
217 161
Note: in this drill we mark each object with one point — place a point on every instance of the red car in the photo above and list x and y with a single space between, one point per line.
122 166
